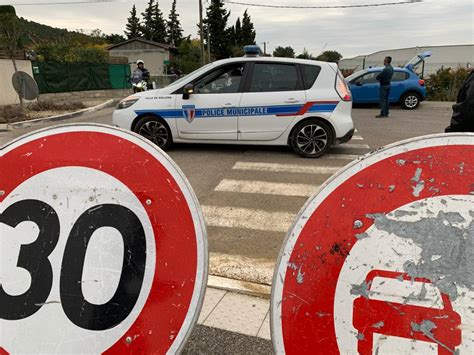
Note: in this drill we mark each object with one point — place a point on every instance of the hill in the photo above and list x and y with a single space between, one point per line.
35 33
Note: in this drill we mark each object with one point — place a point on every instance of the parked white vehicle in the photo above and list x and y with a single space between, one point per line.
251 100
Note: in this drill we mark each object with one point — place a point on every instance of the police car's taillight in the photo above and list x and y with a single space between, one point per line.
421 82
342 88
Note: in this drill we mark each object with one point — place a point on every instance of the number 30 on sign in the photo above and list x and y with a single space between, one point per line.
92 238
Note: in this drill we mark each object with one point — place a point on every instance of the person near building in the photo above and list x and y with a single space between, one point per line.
384 78
462 119
140 73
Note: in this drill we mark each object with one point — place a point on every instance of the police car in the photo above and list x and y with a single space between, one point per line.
249 100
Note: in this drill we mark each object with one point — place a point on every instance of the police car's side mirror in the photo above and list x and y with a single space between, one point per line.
187 91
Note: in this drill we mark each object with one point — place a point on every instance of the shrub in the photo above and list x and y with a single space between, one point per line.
445 83
56 106
347 72
11 113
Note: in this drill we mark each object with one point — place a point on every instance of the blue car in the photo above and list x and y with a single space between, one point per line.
407 88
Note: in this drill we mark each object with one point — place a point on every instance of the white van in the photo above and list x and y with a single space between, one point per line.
251 100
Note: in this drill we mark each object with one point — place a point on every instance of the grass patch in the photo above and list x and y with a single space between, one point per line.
50 105
13 113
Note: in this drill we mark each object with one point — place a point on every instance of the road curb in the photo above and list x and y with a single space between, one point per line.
66 116
237 286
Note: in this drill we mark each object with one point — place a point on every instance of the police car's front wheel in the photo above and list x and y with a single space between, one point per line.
311 138
156 130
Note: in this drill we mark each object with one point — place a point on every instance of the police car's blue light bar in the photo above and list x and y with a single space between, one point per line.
252 51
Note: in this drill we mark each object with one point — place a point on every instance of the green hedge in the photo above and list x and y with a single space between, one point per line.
445 83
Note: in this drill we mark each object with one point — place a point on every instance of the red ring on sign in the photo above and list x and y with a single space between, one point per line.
328 235
167 306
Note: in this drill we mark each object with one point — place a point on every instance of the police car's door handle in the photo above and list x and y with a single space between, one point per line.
292 101
228 105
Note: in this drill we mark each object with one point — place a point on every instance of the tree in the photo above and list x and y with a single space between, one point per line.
146 27
174 32
305 55
158 25
10 35
231 35
329 56
133 25
238 33
189 55
248 32
216 24
114 38
286 52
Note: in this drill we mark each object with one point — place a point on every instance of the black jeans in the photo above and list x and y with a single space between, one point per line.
384 92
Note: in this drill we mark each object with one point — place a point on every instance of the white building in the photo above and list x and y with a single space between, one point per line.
452 56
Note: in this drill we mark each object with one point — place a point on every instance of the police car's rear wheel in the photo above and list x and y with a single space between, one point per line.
311 138
155 130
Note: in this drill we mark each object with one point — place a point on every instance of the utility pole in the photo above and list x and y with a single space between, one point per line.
208 43
201 33
264 48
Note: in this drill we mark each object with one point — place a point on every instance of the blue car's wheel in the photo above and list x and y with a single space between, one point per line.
410 100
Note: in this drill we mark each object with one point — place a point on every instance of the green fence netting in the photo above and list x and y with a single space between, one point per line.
119 75
55 77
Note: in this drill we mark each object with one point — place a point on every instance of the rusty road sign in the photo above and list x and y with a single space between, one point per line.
102 243
381 259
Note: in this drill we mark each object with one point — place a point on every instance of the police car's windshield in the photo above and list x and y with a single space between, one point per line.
187 76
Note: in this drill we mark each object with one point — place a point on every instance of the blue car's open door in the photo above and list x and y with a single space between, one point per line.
419 58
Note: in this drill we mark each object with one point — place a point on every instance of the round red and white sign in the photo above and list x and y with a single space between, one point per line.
380 260
102 242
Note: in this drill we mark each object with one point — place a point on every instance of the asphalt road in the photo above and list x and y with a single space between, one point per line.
251 194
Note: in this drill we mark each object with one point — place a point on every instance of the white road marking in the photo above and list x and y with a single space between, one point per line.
349 145
357 138
267 188
247 218
341 156
291 168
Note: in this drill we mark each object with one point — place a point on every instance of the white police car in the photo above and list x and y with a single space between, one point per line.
251 100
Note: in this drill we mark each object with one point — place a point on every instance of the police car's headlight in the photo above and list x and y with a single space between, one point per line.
127 102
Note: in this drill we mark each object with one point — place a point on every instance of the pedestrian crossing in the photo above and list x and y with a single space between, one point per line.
285 168
256 202
247 218
267 188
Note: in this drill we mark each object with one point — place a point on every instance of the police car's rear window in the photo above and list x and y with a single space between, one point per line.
268 77
310 74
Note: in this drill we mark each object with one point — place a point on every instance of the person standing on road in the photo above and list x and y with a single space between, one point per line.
462 119
384 78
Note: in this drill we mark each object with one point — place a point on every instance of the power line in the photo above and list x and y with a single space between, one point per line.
323 6
62 2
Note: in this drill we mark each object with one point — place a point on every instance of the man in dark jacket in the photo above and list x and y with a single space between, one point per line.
463 110
384 78
140 73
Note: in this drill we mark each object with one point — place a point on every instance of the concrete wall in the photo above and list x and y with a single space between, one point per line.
8 95
443 56
153 58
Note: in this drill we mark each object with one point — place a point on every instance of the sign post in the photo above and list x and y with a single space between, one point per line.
103 247
380 260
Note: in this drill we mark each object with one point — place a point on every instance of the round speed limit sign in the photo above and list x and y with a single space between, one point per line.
102 244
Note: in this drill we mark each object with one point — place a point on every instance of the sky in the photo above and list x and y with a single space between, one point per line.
351 32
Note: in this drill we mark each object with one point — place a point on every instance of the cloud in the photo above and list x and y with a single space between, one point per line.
349 31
